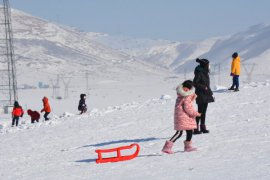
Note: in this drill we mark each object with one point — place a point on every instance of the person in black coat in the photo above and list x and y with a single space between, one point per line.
204 93
82 106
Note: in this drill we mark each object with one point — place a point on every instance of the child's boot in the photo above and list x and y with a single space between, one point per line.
188 147
203 129
167 148
197 131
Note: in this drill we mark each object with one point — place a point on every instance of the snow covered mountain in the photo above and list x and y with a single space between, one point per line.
45 47
252 45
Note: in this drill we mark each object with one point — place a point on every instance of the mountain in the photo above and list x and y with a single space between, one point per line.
252 45
46 48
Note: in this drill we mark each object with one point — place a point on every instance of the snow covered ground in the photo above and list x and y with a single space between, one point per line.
64 148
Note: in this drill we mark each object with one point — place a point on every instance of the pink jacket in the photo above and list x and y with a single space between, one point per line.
184 113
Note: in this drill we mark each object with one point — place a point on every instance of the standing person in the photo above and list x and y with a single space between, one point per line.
46 108
82 106
34 115
203 91
16 113
184 117
235 71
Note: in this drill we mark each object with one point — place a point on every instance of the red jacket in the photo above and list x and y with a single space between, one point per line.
46 105
17 111
33 114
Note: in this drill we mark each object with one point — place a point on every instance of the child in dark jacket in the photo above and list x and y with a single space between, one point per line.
82 106
16 113
34 115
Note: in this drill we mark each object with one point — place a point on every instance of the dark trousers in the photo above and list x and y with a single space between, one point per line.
15 119
83 110
202 108
235 81
33 120
178 134
46 116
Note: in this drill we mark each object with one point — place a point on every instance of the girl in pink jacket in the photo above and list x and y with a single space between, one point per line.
184 116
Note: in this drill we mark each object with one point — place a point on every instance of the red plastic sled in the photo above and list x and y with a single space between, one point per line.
119 156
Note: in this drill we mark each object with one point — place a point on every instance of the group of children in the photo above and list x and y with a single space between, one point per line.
18 112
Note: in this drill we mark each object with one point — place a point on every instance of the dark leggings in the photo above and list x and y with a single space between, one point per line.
202 108
178 134
15 119
236 81
46 116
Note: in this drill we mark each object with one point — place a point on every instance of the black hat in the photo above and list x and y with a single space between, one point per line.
16 104
203 62
82 96
234 55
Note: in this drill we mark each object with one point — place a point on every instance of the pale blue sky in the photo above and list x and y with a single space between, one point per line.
174 20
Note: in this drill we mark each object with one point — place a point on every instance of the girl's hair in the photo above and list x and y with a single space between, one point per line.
188 84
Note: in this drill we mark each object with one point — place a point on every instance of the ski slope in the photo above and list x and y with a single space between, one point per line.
64 148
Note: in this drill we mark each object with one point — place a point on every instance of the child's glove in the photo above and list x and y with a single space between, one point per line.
232 74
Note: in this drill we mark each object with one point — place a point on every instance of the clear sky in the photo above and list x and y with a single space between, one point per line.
174 20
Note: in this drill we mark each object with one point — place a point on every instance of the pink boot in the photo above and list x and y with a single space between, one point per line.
168 147
188 147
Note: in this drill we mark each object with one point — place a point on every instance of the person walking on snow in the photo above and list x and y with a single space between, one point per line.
235 71
34 115
16 113
46 108
184 117
82 106
203 91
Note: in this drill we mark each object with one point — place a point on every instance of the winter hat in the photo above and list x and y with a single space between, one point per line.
203 62
82 96
29 111
234 55
16 104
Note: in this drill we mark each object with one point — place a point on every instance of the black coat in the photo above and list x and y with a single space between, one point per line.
82 104
202 86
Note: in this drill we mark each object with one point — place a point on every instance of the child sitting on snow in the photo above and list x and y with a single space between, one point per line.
184 116
82 106
34 115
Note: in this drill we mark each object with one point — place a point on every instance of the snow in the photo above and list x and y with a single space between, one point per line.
131 99
237 146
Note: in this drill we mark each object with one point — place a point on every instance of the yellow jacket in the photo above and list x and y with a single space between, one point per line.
236 66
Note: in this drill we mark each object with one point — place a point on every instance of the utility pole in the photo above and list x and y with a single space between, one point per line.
66 81
56 86
87 82
9 85
249 71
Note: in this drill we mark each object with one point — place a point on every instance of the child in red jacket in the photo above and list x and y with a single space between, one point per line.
46 108
34 115
16 113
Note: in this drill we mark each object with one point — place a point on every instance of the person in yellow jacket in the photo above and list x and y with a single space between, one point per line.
235 71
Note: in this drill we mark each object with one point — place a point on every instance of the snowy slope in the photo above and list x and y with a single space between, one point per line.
64 148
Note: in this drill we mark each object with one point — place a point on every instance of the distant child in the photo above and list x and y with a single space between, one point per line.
82 106
16 113
235 71
34 115
46 108
184 116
